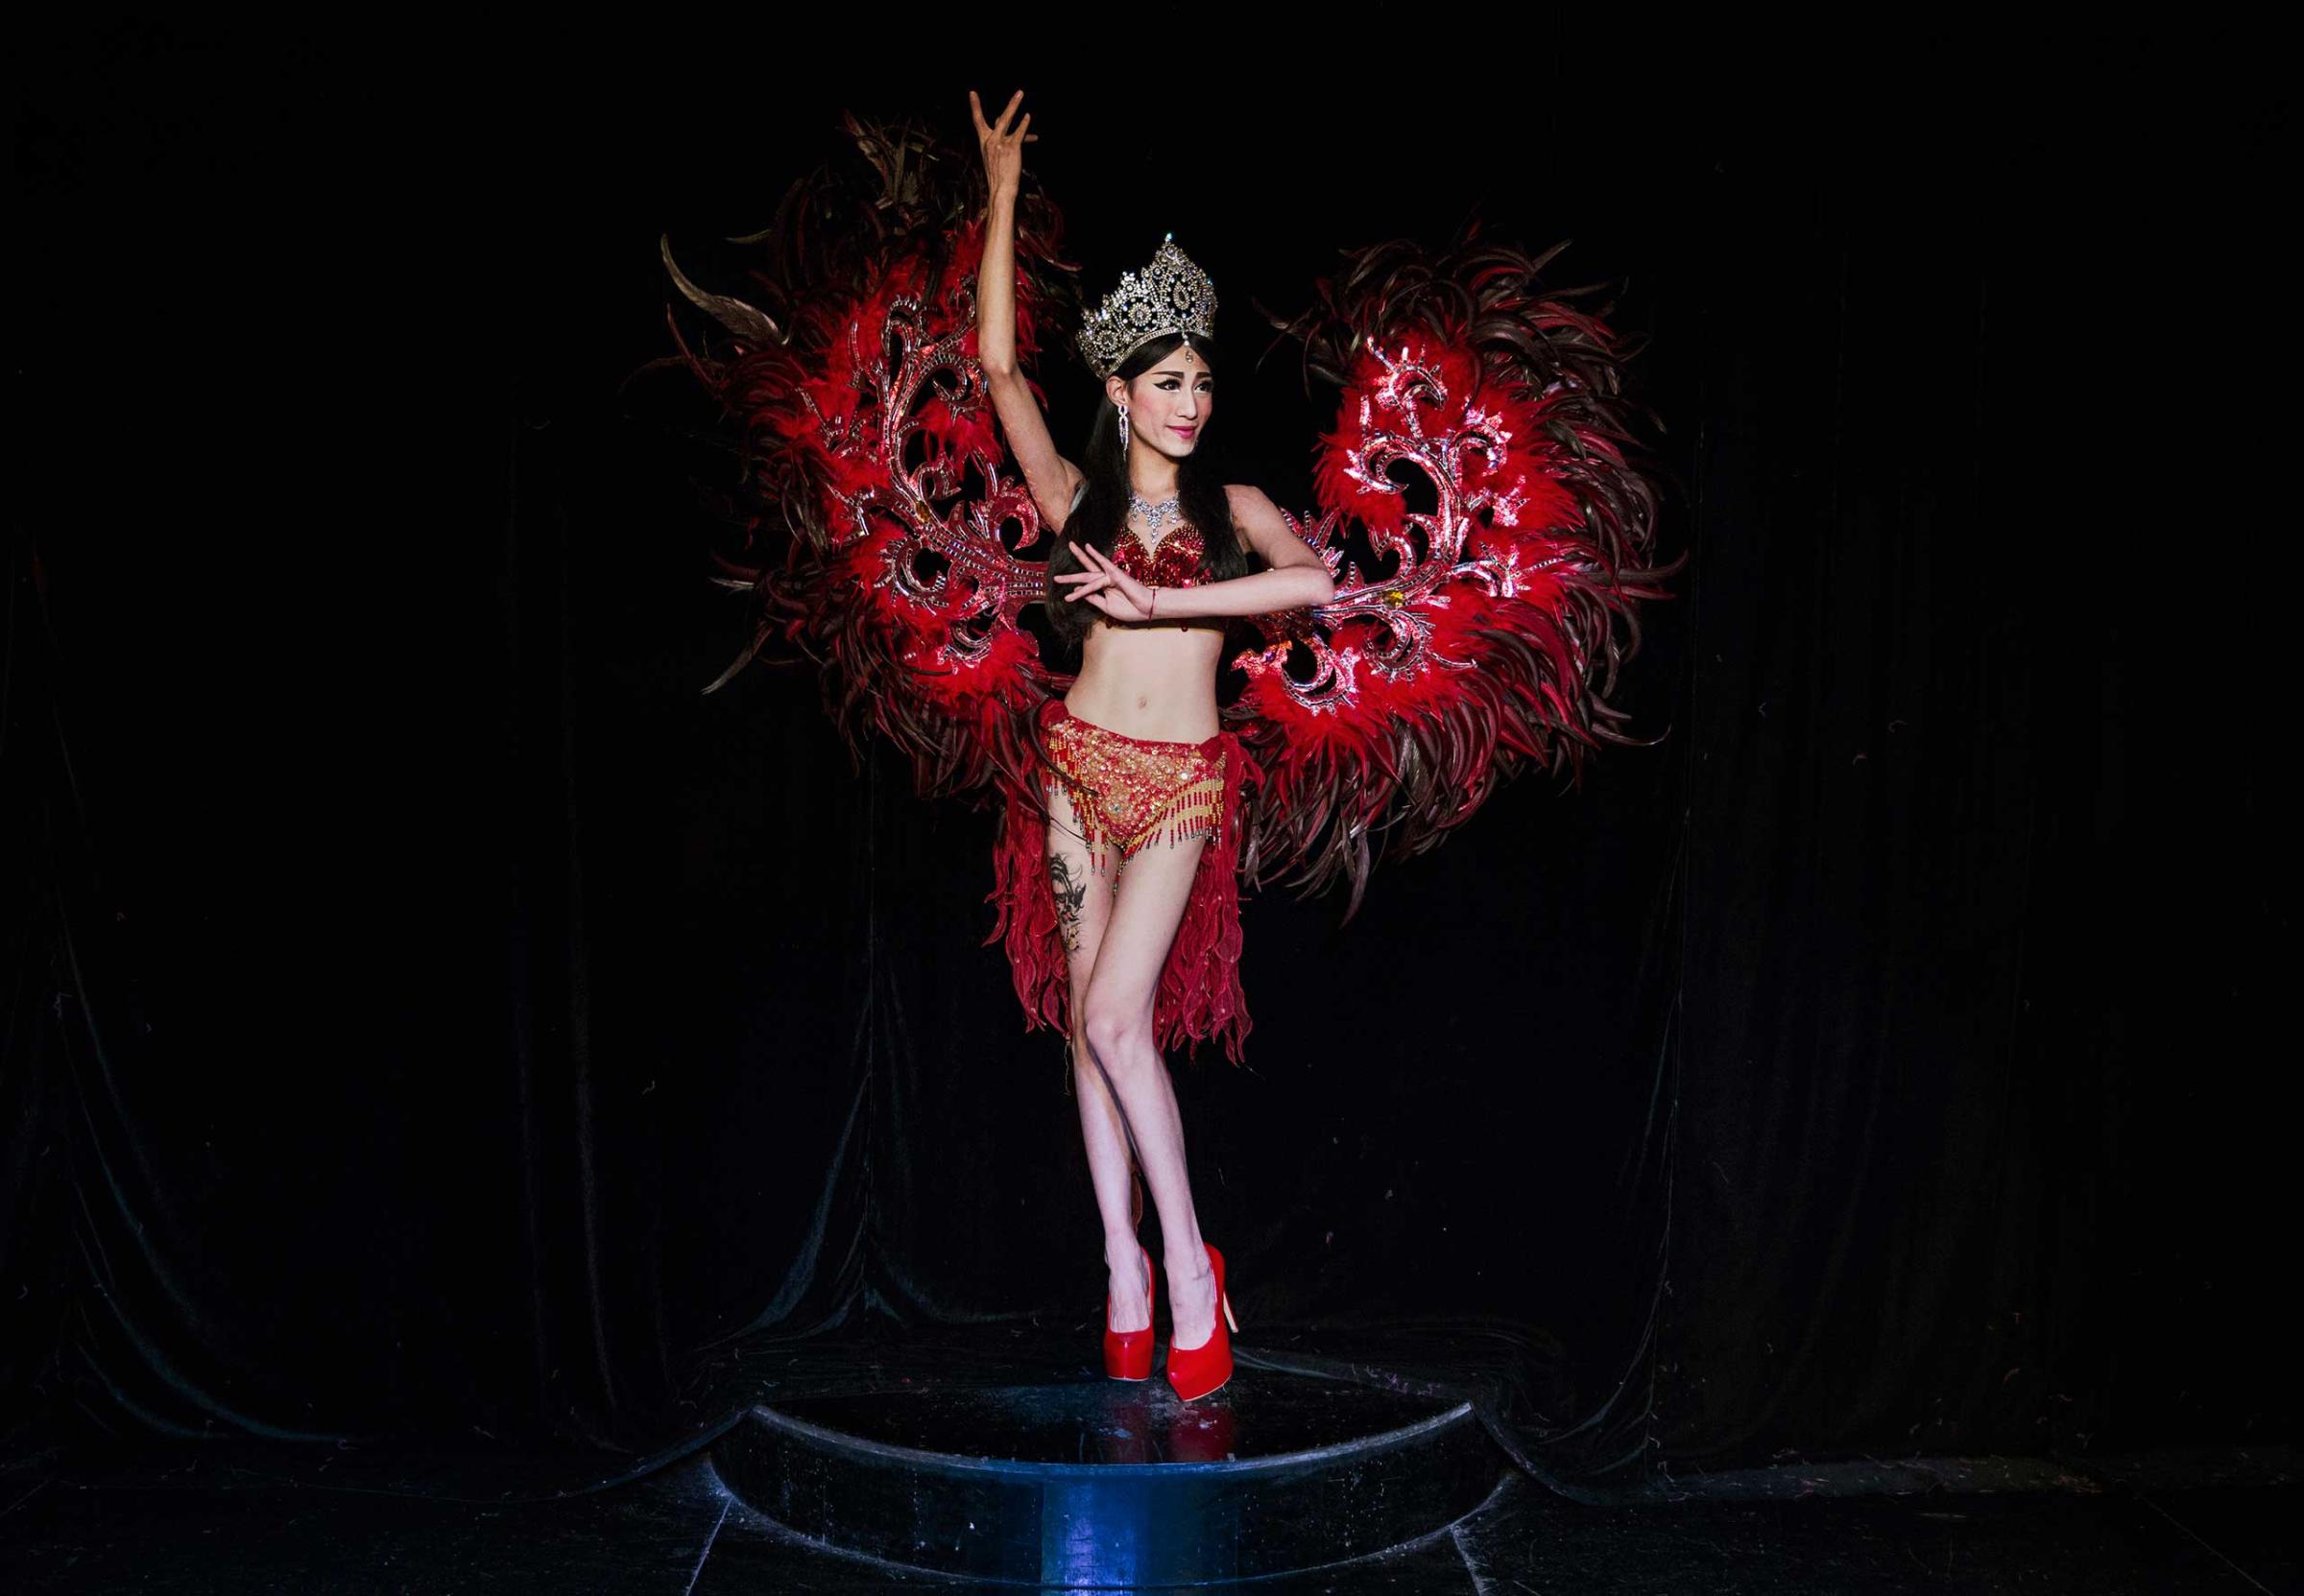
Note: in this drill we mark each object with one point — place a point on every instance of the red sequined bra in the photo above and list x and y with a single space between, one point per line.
1175 564
1178 563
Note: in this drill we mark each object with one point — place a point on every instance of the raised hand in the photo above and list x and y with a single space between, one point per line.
1003 148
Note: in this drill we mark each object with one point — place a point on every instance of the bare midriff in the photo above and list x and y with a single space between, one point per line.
1149 678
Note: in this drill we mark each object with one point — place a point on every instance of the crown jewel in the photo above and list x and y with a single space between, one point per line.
1171 295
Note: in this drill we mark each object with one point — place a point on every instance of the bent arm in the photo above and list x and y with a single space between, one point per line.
1296 577
1266 593
1050 477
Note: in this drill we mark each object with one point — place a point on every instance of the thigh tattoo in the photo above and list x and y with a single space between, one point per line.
1070 894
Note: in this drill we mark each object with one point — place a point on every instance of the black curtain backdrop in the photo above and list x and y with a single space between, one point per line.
433 1017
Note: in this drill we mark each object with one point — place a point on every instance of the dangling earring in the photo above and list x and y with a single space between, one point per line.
1123 429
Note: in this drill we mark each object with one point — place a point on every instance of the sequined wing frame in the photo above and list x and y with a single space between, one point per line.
898 547
1490 532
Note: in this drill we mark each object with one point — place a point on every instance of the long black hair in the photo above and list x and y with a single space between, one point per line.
1100 519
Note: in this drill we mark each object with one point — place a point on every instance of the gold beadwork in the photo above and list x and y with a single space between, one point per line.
1133 792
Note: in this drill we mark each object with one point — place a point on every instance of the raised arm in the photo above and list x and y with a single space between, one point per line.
1049 475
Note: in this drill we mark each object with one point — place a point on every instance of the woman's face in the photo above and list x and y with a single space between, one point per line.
1169 404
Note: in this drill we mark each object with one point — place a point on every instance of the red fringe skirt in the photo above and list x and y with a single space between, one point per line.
1130 793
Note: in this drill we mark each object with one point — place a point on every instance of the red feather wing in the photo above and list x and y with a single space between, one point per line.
1490 535
902 548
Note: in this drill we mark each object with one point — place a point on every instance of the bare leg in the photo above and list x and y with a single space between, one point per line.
1117 1011
1083 906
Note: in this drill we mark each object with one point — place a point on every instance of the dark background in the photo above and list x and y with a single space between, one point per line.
432 1016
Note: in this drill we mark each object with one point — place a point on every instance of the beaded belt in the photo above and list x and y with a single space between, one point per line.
1134 791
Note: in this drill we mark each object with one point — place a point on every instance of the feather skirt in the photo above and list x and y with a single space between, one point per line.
1199 998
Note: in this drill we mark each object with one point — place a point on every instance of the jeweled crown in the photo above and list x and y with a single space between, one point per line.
1171 295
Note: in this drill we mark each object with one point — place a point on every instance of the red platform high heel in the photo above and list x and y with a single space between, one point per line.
1197 1370
1128 1353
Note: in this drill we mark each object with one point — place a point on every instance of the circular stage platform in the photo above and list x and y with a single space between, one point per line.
1092 1481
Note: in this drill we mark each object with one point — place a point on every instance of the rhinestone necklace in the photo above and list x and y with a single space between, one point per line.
1158 516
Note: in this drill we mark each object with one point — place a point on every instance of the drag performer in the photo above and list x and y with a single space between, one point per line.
1415 649
1141 778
